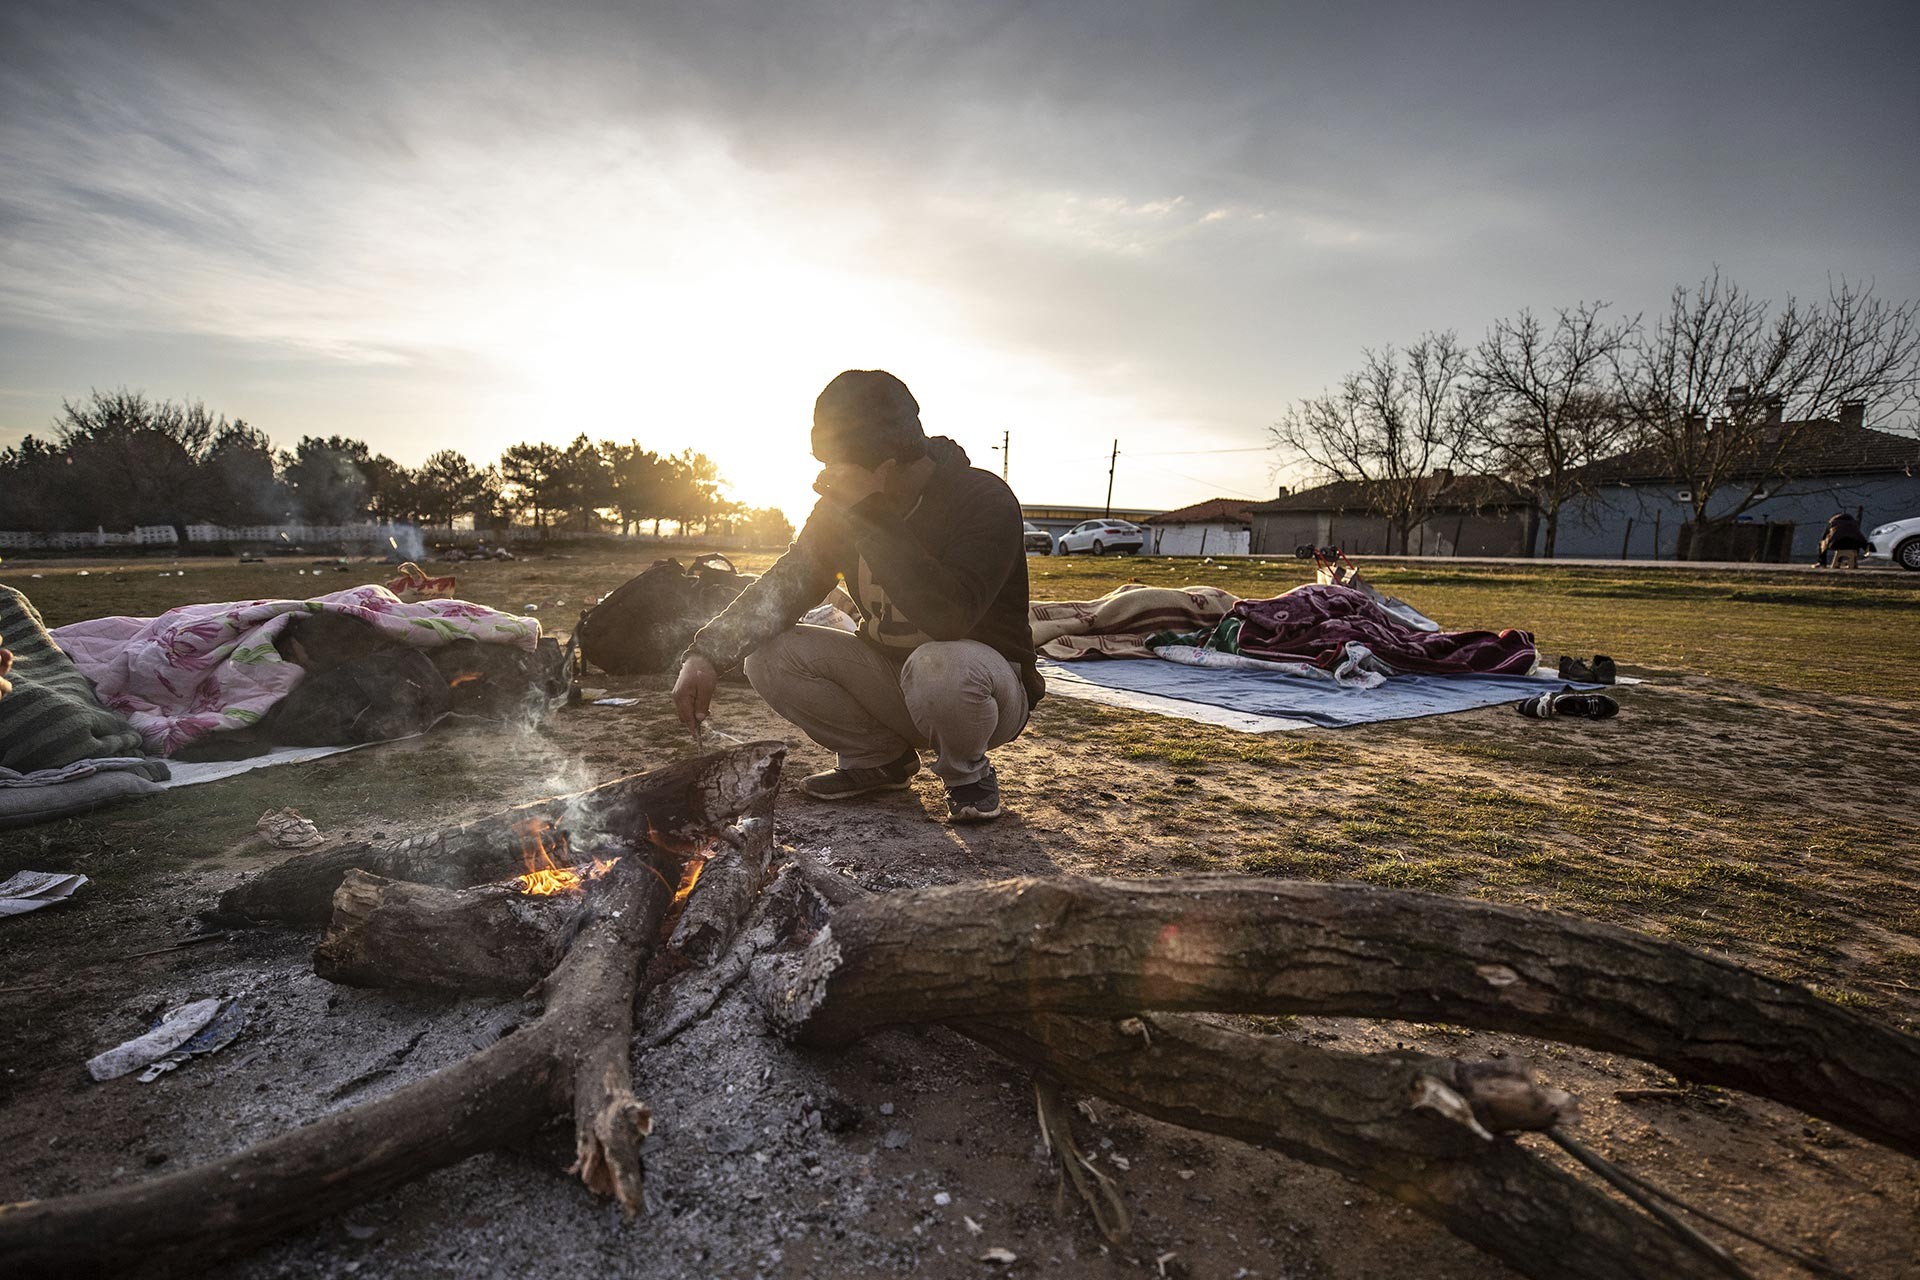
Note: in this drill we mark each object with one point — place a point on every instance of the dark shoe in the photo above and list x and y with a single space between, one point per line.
1569 702
1599 671
844 784
975 801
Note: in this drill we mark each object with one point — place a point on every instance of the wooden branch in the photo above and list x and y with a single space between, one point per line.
491 938
1352 1113
573 1055
1264 946
690 798
787 909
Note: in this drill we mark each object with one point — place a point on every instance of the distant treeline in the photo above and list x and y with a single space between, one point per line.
118 460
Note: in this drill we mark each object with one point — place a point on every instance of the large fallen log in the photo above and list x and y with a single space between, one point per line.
490 938
687 798
575 1056
1353 1113
1276 947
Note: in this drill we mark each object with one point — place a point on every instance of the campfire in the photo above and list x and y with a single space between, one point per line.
550 865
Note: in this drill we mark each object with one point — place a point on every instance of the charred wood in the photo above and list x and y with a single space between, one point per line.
725 894
685 800
491 938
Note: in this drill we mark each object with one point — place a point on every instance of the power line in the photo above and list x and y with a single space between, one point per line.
1239 493
1194 453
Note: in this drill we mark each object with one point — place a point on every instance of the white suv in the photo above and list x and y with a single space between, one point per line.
1100 537
1898 542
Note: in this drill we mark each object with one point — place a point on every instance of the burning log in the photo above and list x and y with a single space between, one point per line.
1276 947
728 887
681 800
494 938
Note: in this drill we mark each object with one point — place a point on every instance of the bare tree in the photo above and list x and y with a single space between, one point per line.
1397 427
134 461
1549 405
1728 393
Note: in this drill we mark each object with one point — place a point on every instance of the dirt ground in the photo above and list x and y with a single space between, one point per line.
1762 818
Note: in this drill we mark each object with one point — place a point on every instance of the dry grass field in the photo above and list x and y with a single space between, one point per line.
1754 798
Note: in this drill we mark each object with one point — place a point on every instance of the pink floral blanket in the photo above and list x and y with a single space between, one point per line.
202 668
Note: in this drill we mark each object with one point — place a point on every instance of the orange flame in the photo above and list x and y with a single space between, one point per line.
689 877
543 846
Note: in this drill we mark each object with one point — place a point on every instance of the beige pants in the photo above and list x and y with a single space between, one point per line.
958 697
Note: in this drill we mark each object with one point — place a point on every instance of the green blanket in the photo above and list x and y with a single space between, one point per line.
52 717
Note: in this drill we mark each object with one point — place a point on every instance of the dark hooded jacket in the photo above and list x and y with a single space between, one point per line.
954 566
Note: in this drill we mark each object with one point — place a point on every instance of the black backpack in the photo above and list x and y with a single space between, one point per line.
645 624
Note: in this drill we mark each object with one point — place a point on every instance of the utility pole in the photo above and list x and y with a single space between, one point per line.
1112 462
1005 447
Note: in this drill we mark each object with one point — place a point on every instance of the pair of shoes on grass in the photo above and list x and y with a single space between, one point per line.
970 802
1599 671
1569 703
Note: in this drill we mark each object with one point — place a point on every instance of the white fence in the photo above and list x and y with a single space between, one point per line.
165 535
408 539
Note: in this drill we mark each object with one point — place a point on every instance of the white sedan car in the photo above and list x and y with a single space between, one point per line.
1100 537
1898 542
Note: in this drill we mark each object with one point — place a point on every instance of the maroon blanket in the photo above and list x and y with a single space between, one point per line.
1316 622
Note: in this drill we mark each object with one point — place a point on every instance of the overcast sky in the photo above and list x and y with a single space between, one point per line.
436 225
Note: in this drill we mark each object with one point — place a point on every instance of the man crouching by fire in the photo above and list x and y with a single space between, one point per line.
930 549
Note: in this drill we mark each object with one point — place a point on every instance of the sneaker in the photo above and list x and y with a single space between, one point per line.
1600 671
975 801
844 784
1569 702
1576 670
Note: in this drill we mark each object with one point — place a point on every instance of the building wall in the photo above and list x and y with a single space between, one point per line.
1598 525
1198 540
1445 534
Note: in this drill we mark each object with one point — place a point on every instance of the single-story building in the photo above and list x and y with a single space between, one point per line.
1470 516
1636 509
1216 527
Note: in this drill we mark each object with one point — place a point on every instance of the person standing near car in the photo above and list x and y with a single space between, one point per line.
931 550
1842 535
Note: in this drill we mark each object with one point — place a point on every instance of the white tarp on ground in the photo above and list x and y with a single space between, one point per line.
187 774
1268 702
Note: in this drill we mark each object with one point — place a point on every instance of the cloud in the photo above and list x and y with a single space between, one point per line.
1175 217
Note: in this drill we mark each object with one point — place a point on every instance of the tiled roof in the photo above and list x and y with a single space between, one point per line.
1824 448
1461 493
1212 511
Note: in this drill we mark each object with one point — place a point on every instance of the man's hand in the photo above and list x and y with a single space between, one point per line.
6 665
693 691
846 485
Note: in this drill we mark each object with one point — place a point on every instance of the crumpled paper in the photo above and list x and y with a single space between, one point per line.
286 829
27 891
222 1031
176 1027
